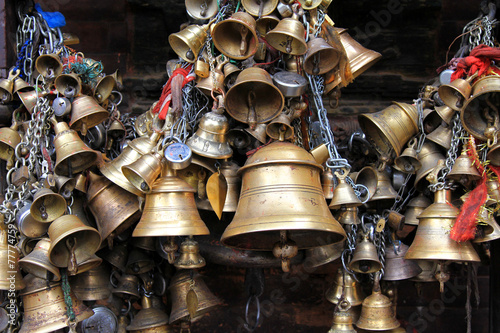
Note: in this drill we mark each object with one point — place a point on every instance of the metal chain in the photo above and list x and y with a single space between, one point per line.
25 36
420 111
67 297
379 240
297 127
351 240
487 38
399 203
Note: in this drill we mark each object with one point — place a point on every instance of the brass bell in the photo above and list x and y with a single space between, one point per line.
488 230
201 9
431 120
103 88
134 150
388 130
229 170
456 93
144 171
127 287
114 209
266 23
259 8
10 276
288 36
118 77
29 98
259 133
145 243
92 285
7 86
345 287
464 171
254 99
321 255
342 320
408 162
288 170
72 155
396 267
71 242
493 154
47 205
365 257
414 207
236 37
231 72
238 138
279 128
188 42
117 256
347 215
190 257
27 225
428 156
9 139
368 177
343 194
86 113
320 57
183 285
45 309
49 65
68 85
445 113
442 136
385 194
149 319
20 85
139 262
38 264
432 240
91 263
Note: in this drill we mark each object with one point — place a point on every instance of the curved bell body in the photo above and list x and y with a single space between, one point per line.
143 172
343 195
230 171
279 128
455 93
28 98
490 231
7 88
139 262
320 57
149 319
390 129
385 194
441 136
190 257
428 156
47 206
396 267
92 285
201 9
273 182
188 42
9 139
91 263
103 88
210 138
44 306
236 37
117 256
377 313
27 225
342 321
445 113
493 154
128 287
68 85
464 171
408 162
231 72
432 240
86 113
254 99
259 132
368 176
310 4
49 65
238 138
428 271
288 37
253 7
347 215
181 284
416 206
38 264
365 258
265 24
114 209
321 255
9 266
72 155
353 291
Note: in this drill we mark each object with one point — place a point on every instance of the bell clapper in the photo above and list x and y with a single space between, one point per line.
170 247
285 250
252 115
442 275
243 45
72 264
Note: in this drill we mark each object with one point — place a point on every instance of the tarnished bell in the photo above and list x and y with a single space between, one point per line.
47 205
428 156
128 287
274 181
49 65
236 37
345 283
27 225
143 172
259 8
288 36
445 113
103 88
201 9
254 99
9 139
408 162
230 171
347 215
188 42
44 306
114 209
38 264
432 240
139 262
342 320
390 129
259 133
396 266
149 319
320 57
343 194
456 92
181 284
116 256
9 265
91 263
93 284
86 113
365 258
321 255
266 24
170 209
68 85
190 257
488 230
464 170
414 207
72 155
442 136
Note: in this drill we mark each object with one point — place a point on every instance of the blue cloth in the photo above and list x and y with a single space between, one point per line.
54 19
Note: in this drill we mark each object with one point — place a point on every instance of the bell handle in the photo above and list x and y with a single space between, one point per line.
13 74
72 264
114 276
412 143
472 77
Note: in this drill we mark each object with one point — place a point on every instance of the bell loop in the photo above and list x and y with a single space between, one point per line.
249 327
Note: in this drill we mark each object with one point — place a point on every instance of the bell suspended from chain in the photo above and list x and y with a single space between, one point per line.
9 139
188 42
345 287
456 93
47 205
343 194
442 136
92 285
320 57
463 170
49 66
396 266
38 264
321 255
7 86
280 129
347 215
144 171
408 162
445 113
86 113
68 85
103 88
288 36
365 257
149 318
414 207
27 225
236 37
342 320
429 154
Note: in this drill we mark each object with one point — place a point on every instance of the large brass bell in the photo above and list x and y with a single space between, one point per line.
416 206
47 205
464 171
365 257
68 85
345 287
201 9
9 139
456 93
45 309
38 264
10 276
149 319
188 42
49 65
190 257
86 113
488 230
342 320
288 36
93 284
254 99
259 8
230 171
320 57
103 88
72 155
343 194
408 162
235 37
184 283
396 266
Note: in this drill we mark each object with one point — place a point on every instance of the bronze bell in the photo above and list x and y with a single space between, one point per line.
7 87
347 215
488 229
47 205
280 129
259 133
408 162
388 130
114 209
145 243
27 225
266 23
144 171
428 271
49 65
231 72
72 155
38 264
262 216
44 306
383 193
117 256
183 285
442 136
236 37
431 120
103 88
456 93
128 287
428 155
65 185
432 240
188 42
9 139
149 319
201 9
259 8
86 113
343 194
9 266
365 257
445 113
320 57
321 255
414 207
396 267
311 4
134 150
345 284
190 257
464 171
288 36
71 242
93 284
342 320
29 98
139 262
254 99
68 85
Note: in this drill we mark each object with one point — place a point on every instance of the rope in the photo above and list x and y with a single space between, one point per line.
67 298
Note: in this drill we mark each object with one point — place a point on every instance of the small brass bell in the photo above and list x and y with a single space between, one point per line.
29 98
321 255
429 154
365 258
188 42
10 276
408 162
456 93
86 113
320 57
38 264
236 37
347 215
231 72
117 256
47 206
201 9
190 257
213 83
280 129
445 113
428 271
345 287
20 85
442 136
384 195
128 287
149 319
103 88
259 133
139 262
9 139
68 85
288 36
368 177
396 267
27 225
464 171
65 185
343 194
489 230
91 263
145 243
416 206
266 23
92 285
342 320
7 86
238 138
49 66
259 8
143 172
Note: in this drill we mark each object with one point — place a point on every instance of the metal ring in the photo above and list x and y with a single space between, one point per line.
256 324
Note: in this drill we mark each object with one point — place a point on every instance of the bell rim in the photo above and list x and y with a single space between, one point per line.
250 10
115 177
38 264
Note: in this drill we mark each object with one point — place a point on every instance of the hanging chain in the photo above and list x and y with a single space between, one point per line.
297 128
399 203
479 31
420 112
67 298
351 240
25 38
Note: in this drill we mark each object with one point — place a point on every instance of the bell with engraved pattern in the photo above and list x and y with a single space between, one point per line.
190 257
342 320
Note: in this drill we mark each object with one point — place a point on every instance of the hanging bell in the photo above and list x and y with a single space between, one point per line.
91 263
47 205
9 139
342 320
310 4
396 266
347 215
45 309
127 287
456 93
408 162
29 98
431 120
343 194
117 256
428 156
7 86
68 85
365 257
288 36
27 225
188 42
238 138
464 171
201 9
488 230
231 72
259 133
103 88
266 23
144 171
345 287
21 86
86 113
442 136
229 170
385 194
428 271
320 57
38 264
149 319
49 66
183 285
10 276
190 257
259 8
145 243
416 206
236 37
92 285
368 177
139 262
72 155
254 99
322 255
279 128
445 113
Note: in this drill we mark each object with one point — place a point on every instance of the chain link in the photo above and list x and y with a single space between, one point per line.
421 136
297 127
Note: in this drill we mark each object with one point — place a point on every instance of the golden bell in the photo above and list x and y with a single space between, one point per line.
488 230
414 207
188 42
134 150
201 9
310 4
170 209
190 257
432 240
385 194
365 258
368 176
47 205
464 171
49 65
279 128
114 209
128 287
117 256
71 242
92 285
149 319
396 266
345 284
86 113
254 99
139 262
10 276
230 171
29 98
388 130
320 57
266 23
259 133
231 72
445 113
9 139
321 255
27 225
235 37
347 215
343 194
456 92
68 85
144 171
273 182
210 138
493 155
408 162
342 320
44 306
182 284
38 264
65 185
428 156
442 136
259 8
103 88
72 154
288 36
7 87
